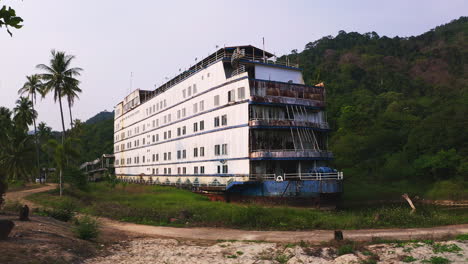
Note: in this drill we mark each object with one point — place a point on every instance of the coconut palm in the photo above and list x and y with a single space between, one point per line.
71 90
31 87
24 113
57 76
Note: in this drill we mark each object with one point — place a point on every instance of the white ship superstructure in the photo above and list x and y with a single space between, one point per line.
236 116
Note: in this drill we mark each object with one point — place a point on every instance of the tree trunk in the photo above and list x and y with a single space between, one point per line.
63 138
37 144
69 109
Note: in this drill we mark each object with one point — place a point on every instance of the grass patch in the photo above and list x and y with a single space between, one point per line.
436 260
168 206
345 249
440 248
408 259
462 237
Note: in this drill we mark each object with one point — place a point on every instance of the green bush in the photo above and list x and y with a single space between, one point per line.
86 228
75 178
437 260
345 249
64 211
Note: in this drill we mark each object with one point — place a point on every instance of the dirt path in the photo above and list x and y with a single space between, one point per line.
315 236
20 195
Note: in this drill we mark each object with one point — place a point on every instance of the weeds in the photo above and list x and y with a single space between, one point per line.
436 260
345 249
408 259
440 248
462 237
63 212
282 258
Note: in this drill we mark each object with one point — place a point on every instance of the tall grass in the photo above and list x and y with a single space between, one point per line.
159 205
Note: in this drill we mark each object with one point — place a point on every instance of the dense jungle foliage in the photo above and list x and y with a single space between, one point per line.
398 107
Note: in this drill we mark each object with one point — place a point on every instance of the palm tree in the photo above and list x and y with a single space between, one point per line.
61 154
44 133
71 91
57 77
32 86
24 113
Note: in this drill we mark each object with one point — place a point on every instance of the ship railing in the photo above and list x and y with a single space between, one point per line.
323 125
304 176
294 90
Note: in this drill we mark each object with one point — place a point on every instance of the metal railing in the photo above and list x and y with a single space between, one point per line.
294 90
289 122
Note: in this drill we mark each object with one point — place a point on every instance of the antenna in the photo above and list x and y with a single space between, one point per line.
263 49
131 83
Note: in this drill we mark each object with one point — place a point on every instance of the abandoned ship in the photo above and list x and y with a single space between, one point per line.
239 122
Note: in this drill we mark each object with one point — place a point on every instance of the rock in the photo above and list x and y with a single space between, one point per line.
338 235
5 228
24 213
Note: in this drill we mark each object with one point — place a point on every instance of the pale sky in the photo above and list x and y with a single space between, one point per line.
153 39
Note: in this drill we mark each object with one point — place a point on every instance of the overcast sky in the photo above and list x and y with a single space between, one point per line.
153 39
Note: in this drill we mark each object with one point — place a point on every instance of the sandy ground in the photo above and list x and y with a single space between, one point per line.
174 251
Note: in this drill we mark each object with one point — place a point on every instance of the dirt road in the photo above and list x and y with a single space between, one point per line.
315 236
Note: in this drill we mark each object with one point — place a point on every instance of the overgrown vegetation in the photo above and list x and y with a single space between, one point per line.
397 107
159 205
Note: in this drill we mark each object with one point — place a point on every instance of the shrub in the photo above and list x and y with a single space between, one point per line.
345 249
64 211
86 228
76 178
439 248
437 260
462 237
408 259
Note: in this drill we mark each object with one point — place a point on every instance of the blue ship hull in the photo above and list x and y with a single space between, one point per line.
299 189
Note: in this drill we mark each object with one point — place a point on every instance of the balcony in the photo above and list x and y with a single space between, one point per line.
287 123
286 93
290 154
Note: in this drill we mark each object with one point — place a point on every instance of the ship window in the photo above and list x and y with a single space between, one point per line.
184 154
216 121
194 88
202 125
241 93
195 152
178 170
183 112
219 169
169 155
169 171
179 154
202 105
202 151
184 130
165 105
183 93
179 130
184 170
169 118
195 170
217 150
225 168
195 127
231 96
143 160
224 120
178 114
157 157
154 138
224 149
154 159
165 170
189 91
216 100
202 169
208 75
165 155
202 77
195 108
169 134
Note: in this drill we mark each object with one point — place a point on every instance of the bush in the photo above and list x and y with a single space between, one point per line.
64 211
345 249
86 228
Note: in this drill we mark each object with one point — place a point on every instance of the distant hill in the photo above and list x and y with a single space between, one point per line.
104 115
398 106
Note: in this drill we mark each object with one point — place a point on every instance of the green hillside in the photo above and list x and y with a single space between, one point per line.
398 107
